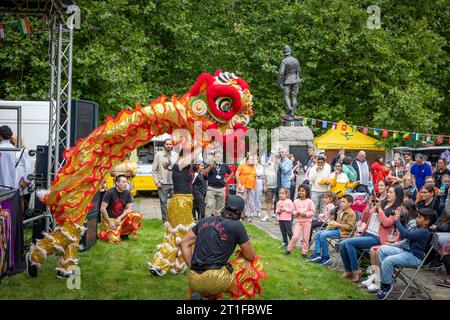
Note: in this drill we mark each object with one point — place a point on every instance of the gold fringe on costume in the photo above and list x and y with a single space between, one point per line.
242 284
130 224
179 222
65 239
95 156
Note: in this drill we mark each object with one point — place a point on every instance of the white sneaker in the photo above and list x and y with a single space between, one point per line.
366 283
265 219
373 288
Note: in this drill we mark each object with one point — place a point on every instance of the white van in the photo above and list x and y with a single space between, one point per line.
35 121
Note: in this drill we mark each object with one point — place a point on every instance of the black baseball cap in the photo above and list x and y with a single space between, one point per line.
235 204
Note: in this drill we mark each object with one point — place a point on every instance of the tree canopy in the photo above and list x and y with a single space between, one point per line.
396 77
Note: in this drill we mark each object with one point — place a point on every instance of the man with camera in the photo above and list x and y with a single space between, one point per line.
215 195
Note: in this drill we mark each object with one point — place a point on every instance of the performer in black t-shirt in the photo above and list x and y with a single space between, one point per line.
179 217
118 219
214 240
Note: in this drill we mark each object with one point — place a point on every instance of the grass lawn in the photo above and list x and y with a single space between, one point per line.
119 271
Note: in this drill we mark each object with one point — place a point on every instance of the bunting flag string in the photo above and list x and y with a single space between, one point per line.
385 133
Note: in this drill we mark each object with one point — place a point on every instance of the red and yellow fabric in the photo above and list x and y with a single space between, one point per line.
219 102
129 225
179 222
243 283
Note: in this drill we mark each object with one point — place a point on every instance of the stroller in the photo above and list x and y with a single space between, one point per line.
360 199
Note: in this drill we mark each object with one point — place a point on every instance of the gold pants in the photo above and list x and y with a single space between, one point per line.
179 222
130 224
65 239
243 283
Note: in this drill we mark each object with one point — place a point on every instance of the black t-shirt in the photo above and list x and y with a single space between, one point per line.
182 180
216 177
116 201
217 238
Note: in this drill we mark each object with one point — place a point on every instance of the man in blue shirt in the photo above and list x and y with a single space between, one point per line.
285 169
419 171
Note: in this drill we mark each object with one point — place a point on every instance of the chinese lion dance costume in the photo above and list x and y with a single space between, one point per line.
220 102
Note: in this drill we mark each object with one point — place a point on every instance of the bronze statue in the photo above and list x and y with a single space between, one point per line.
288 78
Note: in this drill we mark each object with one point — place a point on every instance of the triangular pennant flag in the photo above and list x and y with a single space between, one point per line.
376 132
313 122
344 127
416 136
428 138
24 26
440 139
395 135
354 128
365 130
334 126
324 124
305 121
2 31
385 133
406 135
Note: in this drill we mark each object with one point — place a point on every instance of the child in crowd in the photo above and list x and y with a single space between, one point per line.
339 181
284 210
331 201
407 184
406 253
304 212
342 227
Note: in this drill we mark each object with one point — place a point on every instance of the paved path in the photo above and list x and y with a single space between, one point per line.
149 206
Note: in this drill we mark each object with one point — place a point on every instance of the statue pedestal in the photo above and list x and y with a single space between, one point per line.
295 139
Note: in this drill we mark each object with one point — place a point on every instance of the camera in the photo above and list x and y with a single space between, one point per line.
403 215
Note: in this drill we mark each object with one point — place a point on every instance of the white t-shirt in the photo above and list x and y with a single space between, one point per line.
341 178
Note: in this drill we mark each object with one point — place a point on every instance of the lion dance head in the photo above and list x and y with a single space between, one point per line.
221 102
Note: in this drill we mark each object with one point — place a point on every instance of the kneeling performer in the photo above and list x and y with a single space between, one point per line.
214 240
118 219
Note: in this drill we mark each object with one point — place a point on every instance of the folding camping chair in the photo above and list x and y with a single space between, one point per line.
416 287
335 242
320 228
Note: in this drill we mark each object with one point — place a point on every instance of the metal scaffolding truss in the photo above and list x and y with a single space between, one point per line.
61 43
60 60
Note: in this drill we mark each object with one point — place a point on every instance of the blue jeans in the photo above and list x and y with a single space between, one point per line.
322 243
391 257
348 249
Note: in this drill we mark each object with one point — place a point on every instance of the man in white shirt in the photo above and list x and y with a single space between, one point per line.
162 174
7 159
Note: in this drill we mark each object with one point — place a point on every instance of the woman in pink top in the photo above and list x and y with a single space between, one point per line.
284 210
304 212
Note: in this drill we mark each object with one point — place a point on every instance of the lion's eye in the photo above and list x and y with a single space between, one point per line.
224 104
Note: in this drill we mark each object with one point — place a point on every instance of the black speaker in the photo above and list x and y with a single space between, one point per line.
84 118
41 167
89 238
38 225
